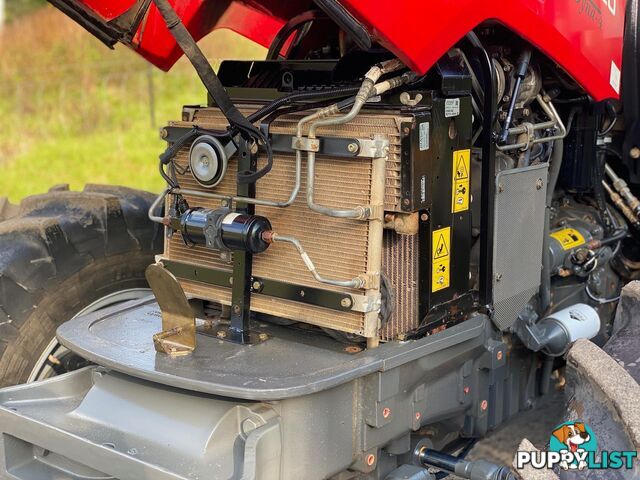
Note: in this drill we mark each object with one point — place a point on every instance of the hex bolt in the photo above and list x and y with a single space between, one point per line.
263 336
406 202
352 147
371 459
483 405
424 217
634 153
224 203
345 302
256 285
499 355
221 334
539 184
386 412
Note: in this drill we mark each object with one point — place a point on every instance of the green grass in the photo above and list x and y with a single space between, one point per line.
72 111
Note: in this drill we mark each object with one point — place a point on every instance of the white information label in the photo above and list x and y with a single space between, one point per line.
614 78
451 107
424 136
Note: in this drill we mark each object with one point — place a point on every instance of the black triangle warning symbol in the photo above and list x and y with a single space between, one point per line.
441 250
461 168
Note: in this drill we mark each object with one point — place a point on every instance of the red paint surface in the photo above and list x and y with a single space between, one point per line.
582 36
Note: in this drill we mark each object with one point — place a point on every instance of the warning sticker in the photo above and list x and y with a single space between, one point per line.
461 181
441 259
569 238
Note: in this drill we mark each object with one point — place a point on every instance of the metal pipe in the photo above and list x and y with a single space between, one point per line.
367 89
353 283
156 203
622 206
622 188
554 122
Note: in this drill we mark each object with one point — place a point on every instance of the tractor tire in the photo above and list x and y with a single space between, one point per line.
62 253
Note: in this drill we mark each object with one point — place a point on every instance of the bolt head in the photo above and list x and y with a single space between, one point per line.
635 153
406 202
371 459
539 184
386 412
236 309
263 336
424 217
484 405
499 355
406 130
345 302
164 133
466 390
256 285
352 147
418 415
221 334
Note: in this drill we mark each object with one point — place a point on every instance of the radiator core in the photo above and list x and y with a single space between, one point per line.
340 248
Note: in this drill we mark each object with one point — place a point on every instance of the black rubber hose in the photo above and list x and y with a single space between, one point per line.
301 96
616 237
291 26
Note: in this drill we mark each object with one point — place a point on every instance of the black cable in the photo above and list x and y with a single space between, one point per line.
613 118
215 88
614 237
291 26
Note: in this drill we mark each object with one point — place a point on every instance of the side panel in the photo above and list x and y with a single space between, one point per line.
585 37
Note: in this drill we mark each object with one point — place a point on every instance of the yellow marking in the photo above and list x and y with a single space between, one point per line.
569 238
460 183
441 256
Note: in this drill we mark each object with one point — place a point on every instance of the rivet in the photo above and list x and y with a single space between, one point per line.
386 412
634 153
424 217
371 459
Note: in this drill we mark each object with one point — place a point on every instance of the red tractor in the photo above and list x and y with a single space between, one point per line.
374 247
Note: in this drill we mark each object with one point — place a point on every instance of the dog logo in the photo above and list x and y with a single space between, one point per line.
573 448
575 439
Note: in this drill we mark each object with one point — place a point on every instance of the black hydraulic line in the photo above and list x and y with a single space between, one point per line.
616 237
472 470
299 97
291 26
215 88
520 73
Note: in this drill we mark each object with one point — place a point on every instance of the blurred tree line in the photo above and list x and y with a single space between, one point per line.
17 8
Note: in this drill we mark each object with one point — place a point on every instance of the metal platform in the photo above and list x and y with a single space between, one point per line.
290 363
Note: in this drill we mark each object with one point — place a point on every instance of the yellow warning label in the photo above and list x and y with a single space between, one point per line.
441 259
461 177
568 237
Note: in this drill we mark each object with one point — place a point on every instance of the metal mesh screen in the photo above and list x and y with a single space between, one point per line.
517 245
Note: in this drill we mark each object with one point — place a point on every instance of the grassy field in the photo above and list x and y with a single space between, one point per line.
73 111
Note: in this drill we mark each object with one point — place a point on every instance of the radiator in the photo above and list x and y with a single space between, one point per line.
340 248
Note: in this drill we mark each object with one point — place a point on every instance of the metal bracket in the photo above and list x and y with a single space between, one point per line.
376 147
178 336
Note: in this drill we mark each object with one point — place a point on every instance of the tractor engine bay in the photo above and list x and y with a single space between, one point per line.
363 227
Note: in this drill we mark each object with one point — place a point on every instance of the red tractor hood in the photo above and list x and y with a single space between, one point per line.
585 37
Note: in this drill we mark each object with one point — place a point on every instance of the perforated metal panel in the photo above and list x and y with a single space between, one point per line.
517 245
